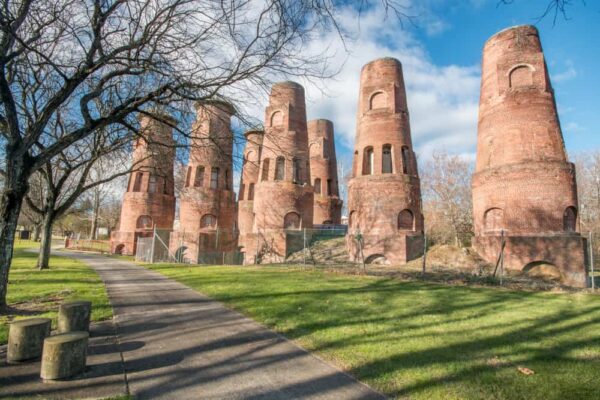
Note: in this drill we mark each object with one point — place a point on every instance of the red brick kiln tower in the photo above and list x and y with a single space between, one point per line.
149 200
523 184
283 200
384 195
323 171
249 179
207 206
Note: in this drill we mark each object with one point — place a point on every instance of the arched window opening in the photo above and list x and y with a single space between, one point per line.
208 221
296 170
291 220
318 185
214 178
277 118
328 187
386 159
226 179
352 222
152 184
406 220
241 196
493 220
521 76
405 160
570 219
280 169
188 176
265 170
368 158
378 100
313 149
251 191
144 222
137 183
199 178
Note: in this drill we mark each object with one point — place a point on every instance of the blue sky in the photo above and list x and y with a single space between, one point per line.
441 59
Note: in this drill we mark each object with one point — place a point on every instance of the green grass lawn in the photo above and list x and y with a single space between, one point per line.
420 340
32 292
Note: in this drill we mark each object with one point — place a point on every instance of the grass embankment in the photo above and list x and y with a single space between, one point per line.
422 340
35 293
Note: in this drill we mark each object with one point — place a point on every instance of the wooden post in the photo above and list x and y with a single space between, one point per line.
424 251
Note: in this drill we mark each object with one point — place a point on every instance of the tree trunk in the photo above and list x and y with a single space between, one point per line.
95 209
44 254
11 201
37 231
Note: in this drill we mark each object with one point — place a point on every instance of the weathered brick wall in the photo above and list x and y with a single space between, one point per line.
249 179
323 172
523 184
376 194
209 196
279 197
150 191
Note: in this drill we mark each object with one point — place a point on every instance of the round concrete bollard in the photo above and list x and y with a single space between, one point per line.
64 355
74 316
26 338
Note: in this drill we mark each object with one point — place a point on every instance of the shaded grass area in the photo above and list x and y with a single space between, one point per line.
32 292
422 340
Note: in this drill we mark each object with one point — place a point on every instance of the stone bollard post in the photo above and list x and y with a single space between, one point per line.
74 316
64 355
26 338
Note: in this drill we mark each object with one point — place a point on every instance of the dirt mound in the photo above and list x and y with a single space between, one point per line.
325 251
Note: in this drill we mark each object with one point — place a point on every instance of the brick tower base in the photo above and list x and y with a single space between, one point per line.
567 252
125 243
209 247
396 249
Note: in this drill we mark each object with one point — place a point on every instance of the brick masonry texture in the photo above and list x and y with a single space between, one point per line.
207 207
384 195
149 200
283 198
323 171
523 184
248 181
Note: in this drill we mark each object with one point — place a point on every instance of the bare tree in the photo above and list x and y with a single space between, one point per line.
553 9
447 203
128 55
81 167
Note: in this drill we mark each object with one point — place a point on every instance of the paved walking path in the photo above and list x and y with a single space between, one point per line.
179 344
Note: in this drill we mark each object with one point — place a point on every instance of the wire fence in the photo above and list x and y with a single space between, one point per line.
100 246
319 247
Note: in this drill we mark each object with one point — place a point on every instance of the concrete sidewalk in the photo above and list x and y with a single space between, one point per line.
183 345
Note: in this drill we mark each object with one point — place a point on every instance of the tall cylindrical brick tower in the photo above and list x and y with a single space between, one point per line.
323 171
283 201
523 186
149 200
384 195
207 207
249 179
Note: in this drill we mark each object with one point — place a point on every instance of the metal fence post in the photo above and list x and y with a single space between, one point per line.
591 249
424 251
304 247
153 245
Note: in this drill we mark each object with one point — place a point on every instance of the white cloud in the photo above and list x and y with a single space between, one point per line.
442 100
567 74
